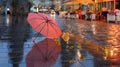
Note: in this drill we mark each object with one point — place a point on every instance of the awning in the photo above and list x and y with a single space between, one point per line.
85 1
98 1
80 2
71 2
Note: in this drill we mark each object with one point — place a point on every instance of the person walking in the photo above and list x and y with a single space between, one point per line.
79 14
83 13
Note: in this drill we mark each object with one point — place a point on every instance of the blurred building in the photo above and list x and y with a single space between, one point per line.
91 4
53 4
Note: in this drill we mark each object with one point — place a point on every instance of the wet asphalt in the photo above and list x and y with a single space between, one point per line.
91 43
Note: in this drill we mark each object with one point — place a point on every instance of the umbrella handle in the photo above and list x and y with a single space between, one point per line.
35 38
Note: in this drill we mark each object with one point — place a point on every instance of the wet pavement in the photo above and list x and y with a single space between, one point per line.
97 38
91 43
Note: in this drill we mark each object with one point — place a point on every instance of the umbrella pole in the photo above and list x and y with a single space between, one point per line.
35 37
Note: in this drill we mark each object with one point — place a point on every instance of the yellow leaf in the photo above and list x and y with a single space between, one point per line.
79 46
71 47
82 58
71 61
57 42
65 36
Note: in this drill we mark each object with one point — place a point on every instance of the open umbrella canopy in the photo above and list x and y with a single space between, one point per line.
44 24
43 54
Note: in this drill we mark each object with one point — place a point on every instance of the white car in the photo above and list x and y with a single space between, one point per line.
43 10
34 9
52 12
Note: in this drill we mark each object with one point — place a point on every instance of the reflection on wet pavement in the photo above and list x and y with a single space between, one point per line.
101 40
43 53
91 44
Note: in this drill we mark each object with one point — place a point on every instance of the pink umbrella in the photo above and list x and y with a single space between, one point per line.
44 24
43 54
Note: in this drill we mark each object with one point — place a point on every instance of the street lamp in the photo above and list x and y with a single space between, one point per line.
4 6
